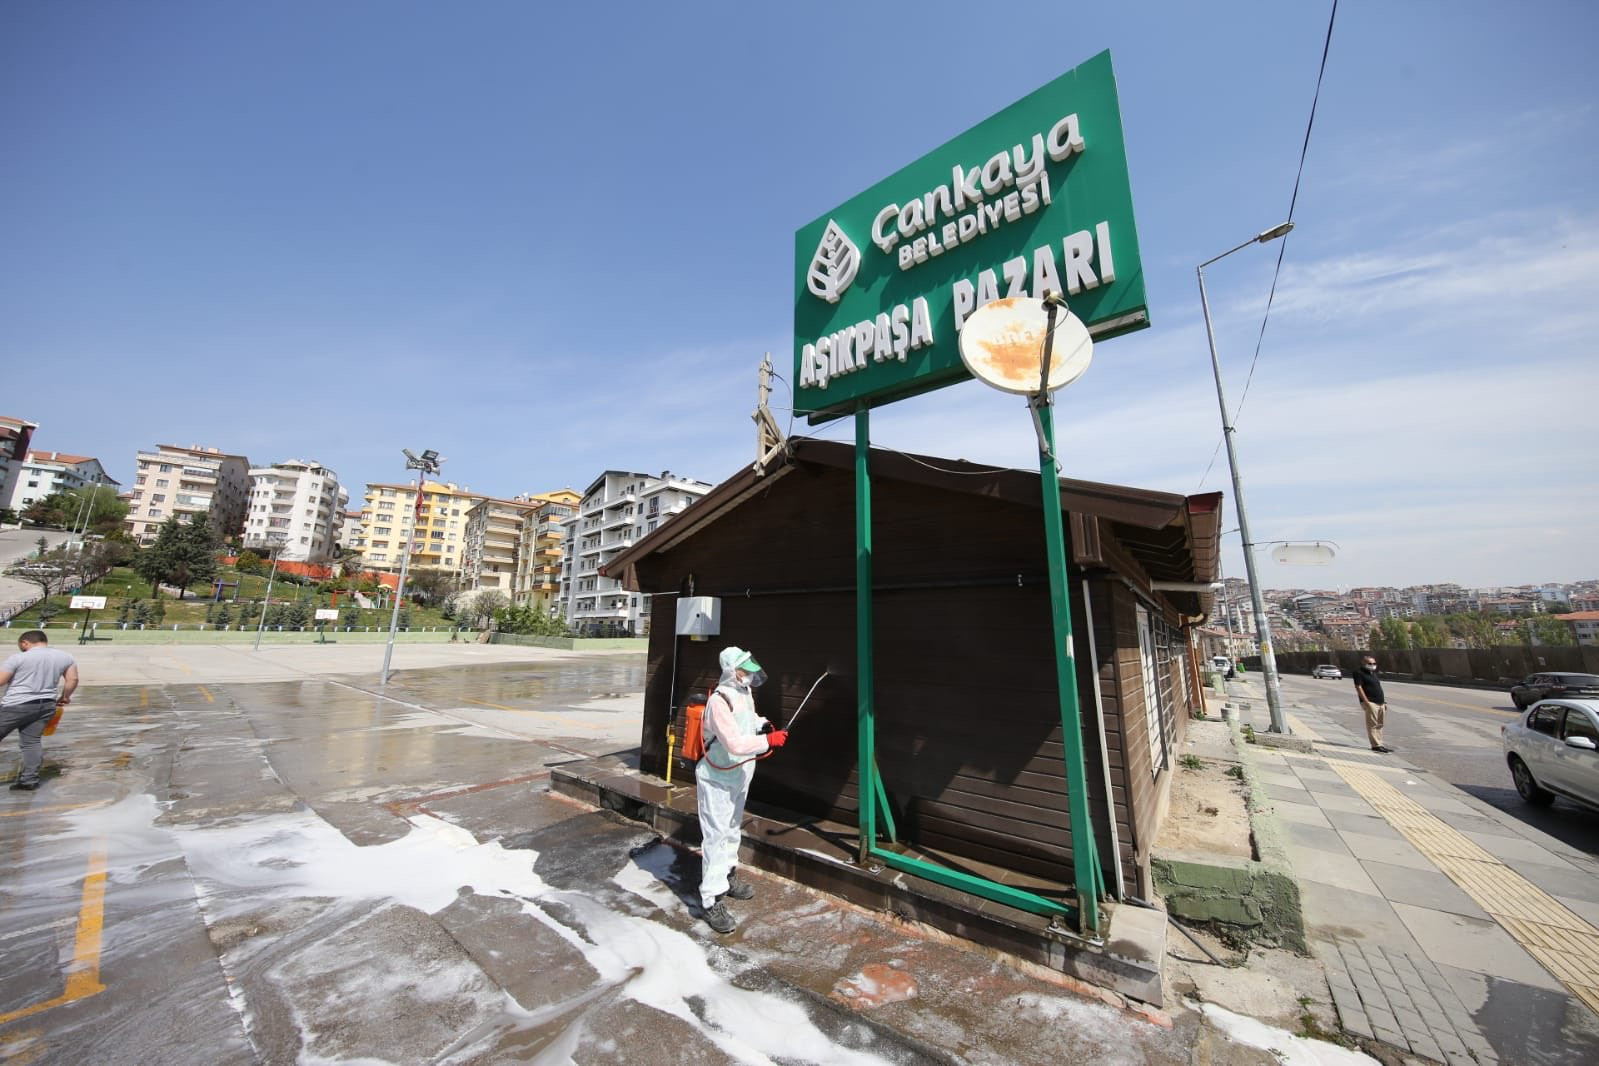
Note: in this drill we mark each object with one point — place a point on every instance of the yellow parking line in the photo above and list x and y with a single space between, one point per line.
83 973
1561 940
144 697
206 693
52 807
495 706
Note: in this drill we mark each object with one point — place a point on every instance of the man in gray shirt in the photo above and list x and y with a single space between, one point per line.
31 679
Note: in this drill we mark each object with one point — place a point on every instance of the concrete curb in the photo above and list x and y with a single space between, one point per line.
1258 898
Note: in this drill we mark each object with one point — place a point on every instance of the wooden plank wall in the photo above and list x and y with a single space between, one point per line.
968 721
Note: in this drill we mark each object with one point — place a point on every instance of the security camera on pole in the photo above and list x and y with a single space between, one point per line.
428 463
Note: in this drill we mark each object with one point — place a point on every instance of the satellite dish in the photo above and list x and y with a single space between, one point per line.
1002 344
1317 554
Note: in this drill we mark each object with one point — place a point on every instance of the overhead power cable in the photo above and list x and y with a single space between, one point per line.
1282 245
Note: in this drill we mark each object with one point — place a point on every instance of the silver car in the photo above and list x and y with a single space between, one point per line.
1553 750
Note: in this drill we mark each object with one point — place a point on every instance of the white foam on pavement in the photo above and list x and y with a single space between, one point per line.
1291 1050
297 856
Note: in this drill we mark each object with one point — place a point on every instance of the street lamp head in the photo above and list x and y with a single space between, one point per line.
432 456
1275 232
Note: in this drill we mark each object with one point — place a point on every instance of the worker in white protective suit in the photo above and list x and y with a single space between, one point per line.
735 736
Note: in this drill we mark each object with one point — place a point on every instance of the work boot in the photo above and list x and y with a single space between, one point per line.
720 919
737 889
25 786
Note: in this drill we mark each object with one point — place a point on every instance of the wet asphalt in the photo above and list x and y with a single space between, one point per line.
223 867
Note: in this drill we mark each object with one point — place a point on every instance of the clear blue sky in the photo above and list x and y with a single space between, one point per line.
548 240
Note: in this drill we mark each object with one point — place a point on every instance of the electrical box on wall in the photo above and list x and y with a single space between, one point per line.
699 617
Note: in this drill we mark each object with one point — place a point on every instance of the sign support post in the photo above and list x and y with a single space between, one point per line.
1090 879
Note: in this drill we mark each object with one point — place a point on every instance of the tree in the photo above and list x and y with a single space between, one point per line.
45 512
531 620
1474 629
154 562
1390 635
50 570
249 563
8 517
96 508
429 586
1429 631
481 609
1552 631
349 565
195 558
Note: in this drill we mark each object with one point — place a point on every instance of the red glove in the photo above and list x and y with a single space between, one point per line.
776 738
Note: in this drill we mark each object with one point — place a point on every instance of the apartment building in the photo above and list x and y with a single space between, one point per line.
15 436
1584 626
617 508
42 474
172 480
440 519
489 543
351 531
294 511
539 549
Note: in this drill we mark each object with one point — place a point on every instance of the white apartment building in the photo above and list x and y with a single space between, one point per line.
352 534
182 481
295 510
618 508
489 543
43 474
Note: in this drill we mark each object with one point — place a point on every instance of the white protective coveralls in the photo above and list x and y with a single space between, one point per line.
733 740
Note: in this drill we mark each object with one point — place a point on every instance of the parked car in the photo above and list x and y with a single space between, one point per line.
1554 685
1222 665
1553 750
1326 671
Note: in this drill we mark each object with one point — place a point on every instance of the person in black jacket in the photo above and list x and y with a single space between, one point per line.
1369 689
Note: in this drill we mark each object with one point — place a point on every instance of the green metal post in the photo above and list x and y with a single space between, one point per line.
866 727
1085 852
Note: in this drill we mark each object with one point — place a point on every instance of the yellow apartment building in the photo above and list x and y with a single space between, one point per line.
539 547
440 516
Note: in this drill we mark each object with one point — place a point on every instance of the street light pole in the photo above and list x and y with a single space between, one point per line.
260 624
1268 658
427 463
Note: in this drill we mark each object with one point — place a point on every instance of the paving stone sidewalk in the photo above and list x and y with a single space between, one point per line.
1447 929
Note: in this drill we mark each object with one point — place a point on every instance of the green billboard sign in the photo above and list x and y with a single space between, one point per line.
1034 198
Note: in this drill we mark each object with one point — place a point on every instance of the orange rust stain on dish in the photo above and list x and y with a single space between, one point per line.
874 986
1015 360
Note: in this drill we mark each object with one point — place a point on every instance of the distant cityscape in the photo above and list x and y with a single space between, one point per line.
544 549
1440 615
548 548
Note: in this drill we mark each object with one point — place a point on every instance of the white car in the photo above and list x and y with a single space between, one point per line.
1553 750
1222 665
1325 671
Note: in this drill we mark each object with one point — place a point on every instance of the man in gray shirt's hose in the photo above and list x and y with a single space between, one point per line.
36 680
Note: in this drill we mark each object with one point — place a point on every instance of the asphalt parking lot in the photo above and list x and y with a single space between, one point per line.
263 857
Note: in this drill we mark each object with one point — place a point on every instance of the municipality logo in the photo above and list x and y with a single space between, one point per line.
834 265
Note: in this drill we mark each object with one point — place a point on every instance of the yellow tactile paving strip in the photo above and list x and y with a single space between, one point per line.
1566 945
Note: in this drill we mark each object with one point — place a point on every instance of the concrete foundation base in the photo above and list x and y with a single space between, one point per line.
1126 961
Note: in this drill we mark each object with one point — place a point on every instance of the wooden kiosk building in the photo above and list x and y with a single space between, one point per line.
969 744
